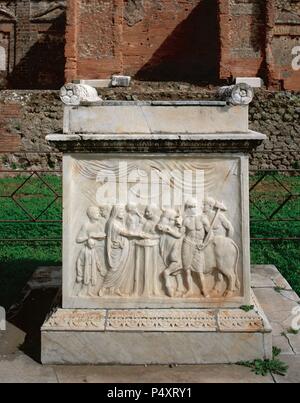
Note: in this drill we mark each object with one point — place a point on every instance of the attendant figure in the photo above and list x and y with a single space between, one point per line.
193 259
134 218
89 265
221 226
147 254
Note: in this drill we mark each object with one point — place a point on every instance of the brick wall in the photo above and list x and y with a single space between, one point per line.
191 40
200 40
257 38
149 39
10 140
32 41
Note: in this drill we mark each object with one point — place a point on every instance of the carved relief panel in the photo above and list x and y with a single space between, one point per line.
157 231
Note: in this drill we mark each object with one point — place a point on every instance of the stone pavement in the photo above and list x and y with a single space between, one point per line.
274 294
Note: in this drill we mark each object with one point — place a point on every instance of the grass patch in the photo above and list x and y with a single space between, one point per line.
284 254
265 367
18 260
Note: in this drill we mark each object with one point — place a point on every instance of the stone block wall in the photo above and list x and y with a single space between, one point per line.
26 117
277 114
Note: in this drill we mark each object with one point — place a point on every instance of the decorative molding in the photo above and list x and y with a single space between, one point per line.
79 320
168 143
162 320
240 321
157 320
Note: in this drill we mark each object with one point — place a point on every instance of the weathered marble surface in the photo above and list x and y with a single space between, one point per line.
142 118
152 348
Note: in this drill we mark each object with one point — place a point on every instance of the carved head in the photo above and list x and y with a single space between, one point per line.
131 208
118 212
190 207
174 218
93 213
104 211
150 211
209 204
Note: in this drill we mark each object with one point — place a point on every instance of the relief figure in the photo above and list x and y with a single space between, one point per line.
193 258
134 218
127 253
89 265
119 278
221 225
134 223
221 252
147 255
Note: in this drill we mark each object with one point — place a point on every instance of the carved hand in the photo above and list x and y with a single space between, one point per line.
98 236
200 246
91 243
144 235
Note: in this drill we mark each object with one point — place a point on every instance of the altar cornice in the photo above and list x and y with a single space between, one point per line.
162 142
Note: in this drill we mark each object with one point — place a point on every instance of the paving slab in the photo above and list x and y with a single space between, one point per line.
11 339
159 374
268 271
294 340
291 295
282 342
15 366
19 368
276 306
259 280
293 374
268 276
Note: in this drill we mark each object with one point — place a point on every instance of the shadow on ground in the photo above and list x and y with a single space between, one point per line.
26 307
